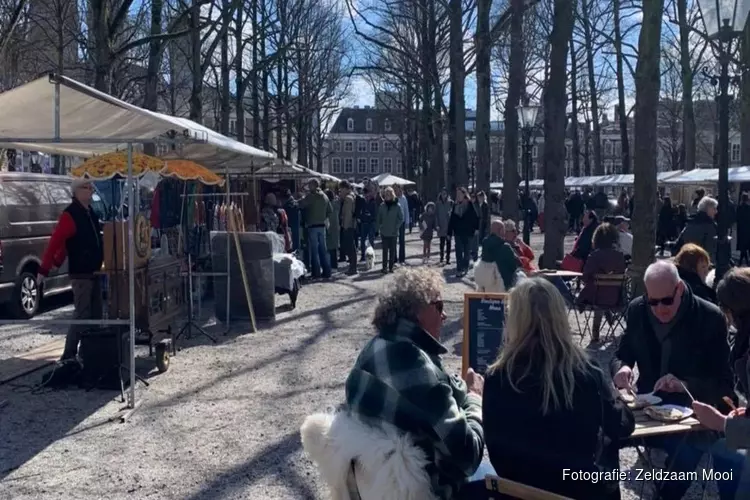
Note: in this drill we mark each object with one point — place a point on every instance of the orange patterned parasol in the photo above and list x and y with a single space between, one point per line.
187 170
115 164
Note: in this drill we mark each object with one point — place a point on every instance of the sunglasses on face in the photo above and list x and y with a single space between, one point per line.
438 304
667 301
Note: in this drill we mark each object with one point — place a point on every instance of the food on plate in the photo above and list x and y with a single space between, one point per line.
665 413
627 397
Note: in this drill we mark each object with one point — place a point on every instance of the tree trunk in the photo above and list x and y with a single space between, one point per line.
239 76
254 95
555 121
151 95
593 92
102 53
483 95
196 63
437 163
576 146
647 88
224 107
457 129
587 148
516 82
622 112
688 113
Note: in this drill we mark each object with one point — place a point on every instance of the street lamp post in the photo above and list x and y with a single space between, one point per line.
527 121
724 21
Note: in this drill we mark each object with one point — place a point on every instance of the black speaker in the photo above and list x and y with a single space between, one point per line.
105 355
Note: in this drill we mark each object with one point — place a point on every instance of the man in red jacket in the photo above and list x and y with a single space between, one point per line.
77 236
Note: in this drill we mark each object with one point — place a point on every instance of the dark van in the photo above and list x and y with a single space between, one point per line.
30 205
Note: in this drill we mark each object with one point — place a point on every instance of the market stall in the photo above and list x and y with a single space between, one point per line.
58 115
386 180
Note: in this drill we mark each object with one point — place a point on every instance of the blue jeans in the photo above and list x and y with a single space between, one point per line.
366 233
685 455
319 252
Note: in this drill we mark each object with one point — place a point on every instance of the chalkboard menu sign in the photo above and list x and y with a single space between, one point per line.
484 325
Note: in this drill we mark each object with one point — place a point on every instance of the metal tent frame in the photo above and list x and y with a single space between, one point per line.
183 131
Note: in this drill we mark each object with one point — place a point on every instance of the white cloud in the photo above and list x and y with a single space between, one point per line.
360 93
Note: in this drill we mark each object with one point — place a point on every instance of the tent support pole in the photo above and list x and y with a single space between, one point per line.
229 250
131 275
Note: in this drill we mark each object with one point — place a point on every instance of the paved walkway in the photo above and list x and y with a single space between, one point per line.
222 423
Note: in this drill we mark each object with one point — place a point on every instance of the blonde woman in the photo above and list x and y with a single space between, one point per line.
545 401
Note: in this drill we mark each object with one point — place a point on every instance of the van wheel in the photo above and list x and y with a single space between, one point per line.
27 296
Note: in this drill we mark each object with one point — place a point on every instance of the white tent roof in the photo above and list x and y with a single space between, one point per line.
87 114
390 180
696 176
282 169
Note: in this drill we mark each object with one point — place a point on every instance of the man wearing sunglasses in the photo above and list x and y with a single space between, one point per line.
678 341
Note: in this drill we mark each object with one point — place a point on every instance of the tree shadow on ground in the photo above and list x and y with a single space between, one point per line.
273 460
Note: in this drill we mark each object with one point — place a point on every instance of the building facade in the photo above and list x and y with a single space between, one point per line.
363 143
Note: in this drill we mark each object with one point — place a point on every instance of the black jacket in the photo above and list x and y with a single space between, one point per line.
699 351
465 225
700 230
85 249
527 446
697 285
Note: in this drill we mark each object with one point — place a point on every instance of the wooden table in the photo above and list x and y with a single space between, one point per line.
552 273
646 426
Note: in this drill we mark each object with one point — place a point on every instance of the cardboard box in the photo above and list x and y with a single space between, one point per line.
116 243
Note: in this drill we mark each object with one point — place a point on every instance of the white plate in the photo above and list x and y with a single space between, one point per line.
685 411
644 400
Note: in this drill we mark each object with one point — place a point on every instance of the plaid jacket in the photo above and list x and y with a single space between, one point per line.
399 378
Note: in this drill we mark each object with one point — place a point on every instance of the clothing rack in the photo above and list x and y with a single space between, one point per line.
190 274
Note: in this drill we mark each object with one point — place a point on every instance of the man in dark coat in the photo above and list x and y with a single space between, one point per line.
78 238
679 343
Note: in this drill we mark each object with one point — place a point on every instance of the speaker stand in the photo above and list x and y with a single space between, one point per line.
187 328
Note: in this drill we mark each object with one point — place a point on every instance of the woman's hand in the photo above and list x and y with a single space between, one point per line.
709 417
738 412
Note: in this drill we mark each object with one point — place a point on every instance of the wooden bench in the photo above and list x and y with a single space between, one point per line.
518 490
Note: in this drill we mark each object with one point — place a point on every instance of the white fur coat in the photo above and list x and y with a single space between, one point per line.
388 464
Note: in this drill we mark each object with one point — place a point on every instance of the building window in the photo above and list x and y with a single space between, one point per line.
387 165
348 165
399 165
362 146
568 149
348 147
368 125
398 145
735 151
387 125
374 147
337 146
608 148
362 165
325 167
534 151
233 127
618 168
387 146
374 166
350 125
336 162
616 149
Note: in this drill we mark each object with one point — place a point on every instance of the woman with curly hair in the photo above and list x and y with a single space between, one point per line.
398 380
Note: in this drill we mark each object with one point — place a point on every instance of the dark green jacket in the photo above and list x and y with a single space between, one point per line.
497 250
317 208
399 378
390 218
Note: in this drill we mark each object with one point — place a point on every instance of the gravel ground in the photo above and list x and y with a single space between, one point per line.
223 422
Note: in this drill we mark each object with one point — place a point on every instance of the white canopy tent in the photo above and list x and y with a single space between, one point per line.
86 113
384 180
282 169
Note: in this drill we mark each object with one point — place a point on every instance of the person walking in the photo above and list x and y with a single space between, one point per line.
404 204
367 219
317 209
743 229
348 226
665 228
78 238
463 223
443 210
390 221
427 226
333 234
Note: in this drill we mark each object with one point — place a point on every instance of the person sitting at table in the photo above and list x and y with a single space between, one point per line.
679 343
496 271
693 264
732 294
605 259
523 251
576 259
545 401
